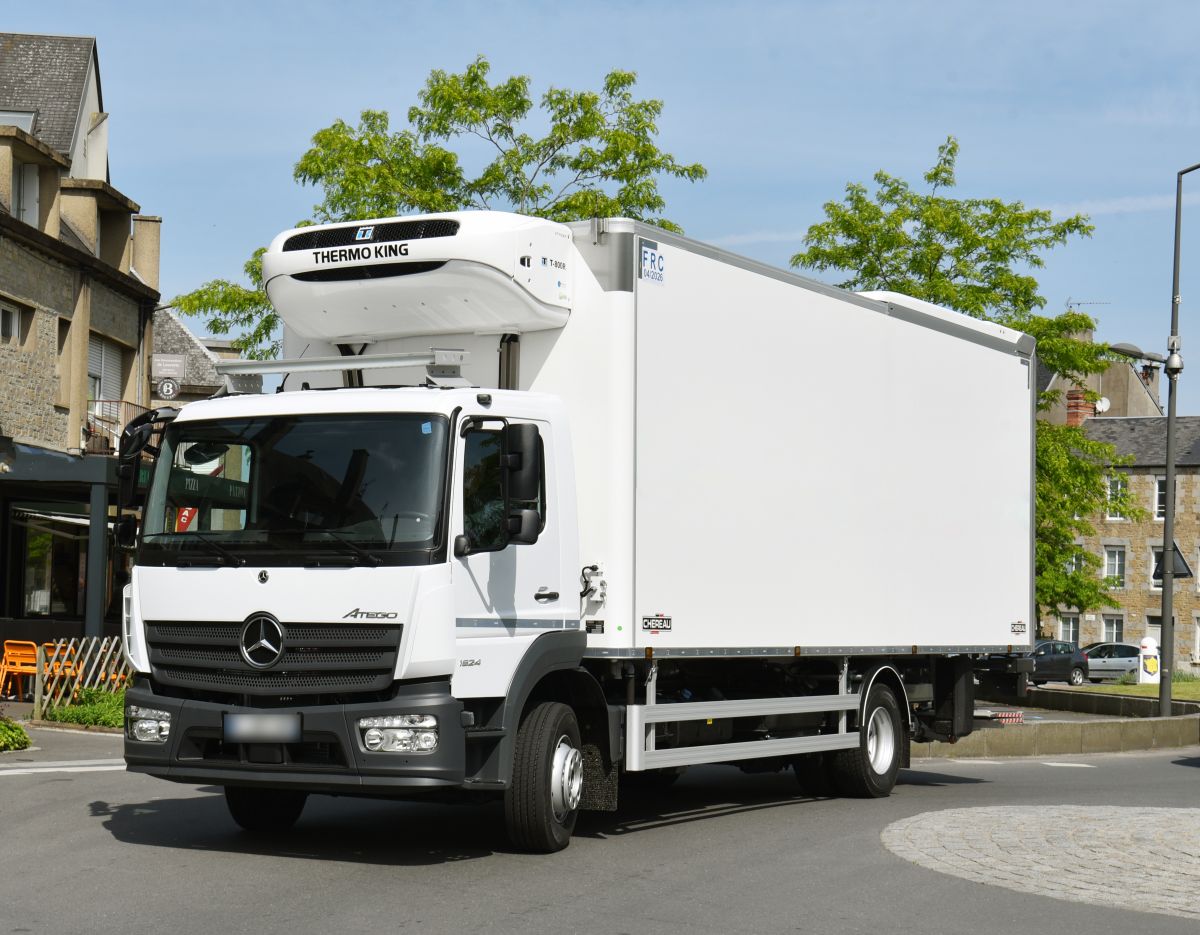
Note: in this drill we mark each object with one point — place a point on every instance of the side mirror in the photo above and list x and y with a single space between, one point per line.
133 440
462 546
522 461
127 479
125 532
523 527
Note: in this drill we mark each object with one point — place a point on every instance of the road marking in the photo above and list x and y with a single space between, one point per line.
61 766
1071 765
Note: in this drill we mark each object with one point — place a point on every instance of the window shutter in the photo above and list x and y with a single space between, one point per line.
105 362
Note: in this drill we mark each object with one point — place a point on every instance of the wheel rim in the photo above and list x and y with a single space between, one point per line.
881 741
566 779
1076 676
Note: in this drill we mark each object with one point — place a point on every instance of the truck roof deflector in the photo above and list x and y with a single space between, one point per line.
443 366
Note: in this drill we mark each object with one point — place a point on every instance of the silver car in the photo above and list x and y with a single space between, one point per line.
1110 660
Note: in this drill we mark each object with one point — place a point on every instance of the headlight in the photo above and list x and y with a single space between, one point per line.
401 733
149 725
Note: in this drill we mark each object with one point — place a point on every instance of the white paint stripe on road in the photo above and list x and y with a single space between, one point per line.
1071 765
26 764
26 767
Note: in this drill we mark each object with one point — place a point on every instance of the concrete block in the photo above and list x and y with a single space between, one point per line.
1014 740
1137 734
1102 737
1055 738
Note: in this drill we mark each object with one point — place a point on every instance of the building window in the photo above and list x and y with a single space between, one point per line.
51 539
1075 564
1114 565
1156 556
1114 628
1068 628
1117 485
15 324
1160 498
25 191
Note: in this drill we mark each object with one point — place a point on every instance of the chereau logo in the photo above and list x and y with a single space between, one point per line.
358 614
656 624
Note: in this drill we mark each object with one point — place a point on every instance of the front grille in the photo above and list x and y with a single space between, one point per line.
322 237
316 659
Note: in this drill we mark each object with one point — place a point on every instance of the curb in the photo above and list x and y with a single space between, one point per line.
1118 735
64 725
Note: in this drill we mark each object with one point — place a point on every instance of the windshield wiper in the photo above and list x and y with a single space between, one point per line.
219 551
356 550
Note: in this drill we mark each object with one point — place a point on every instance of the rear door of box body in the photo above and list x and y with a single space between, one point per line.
812 472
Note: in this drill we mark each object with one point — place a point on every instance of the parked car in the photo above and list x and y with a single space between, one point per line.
1057 661
1110 660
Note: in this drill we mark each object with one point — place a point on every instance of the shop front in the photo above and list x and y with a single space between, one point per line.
60 575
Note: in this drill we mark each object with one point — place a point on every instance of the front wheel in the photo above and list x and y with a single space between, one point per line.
541 802
264 810
869 771
1077 676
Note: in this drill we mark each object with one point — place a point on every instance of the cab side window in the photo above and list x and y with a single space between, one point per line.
484 522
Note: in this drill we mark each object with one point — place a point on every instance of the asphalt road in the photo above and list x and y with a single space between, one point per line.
960 846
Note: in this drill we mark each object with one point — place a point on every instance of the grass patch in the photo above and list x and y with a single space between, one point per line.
93 707
1181 690
12 735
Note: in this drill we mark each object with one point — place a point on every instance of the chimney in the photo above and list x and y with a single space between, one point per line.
147 231
1078 408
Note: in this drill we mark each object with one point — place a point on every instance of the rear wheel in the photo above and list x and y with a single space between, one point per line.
262 810
541 803
869 771
1076 677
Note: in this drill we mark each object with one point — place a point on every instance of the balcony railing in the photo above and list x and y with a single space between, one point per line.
106 418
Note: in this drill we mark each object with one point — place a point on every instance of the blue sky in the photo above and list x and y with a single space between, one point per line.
1072 106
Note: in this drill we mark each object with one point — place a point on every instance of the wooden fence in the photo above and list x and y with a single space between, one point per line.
66 666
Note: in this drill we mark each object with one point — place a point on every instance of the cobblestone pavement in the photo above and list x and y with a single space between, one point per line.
1144 859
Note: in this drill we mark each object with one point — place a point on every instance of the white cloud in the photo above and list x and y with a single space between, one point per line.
1128 204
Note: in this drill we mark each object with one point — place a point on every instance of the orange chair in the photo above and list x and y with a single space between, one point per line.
19 660
64 662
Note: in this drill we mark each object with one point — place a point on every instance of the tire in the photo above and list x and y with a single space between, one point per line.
1076 677
264 810
869 771
541 802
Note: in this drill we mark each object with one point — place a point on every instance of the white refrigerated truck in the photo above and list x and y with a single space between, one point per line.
648 504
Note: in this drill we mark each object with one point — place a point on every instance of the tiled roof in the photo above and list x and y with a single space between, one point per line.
46 74
171 336
1145 438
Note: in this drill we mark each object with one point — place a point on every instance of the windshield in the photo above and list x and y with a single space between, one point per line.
327 489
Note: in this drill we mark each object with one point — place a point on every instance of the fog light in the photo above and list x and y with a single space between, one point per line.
400 733
373 739
149 725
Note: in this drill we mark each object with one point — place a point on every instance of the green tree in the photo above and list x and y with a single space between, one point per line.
974 255
598 157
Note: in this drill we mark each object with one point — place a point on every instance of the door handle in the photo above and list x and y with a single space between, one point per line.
545 597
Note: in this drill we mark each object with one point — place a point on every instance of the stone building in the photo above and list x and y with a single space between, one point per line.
191 361
1130 549
78 289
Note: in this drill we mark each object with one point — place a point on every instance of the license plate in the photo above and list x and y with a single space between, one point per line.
262 728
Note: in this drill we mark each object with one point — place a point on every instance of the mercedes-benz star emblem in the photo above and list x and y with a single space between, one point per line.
263 577
262 641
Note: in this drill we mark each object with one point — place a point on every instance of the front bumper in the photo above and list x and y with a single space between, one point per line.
329 757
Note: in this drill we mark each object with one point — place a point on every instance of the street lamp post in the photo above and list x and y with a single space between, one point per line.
1172 367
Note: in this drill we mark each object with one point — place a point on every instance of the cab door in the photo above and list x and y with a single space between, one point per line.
502 588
